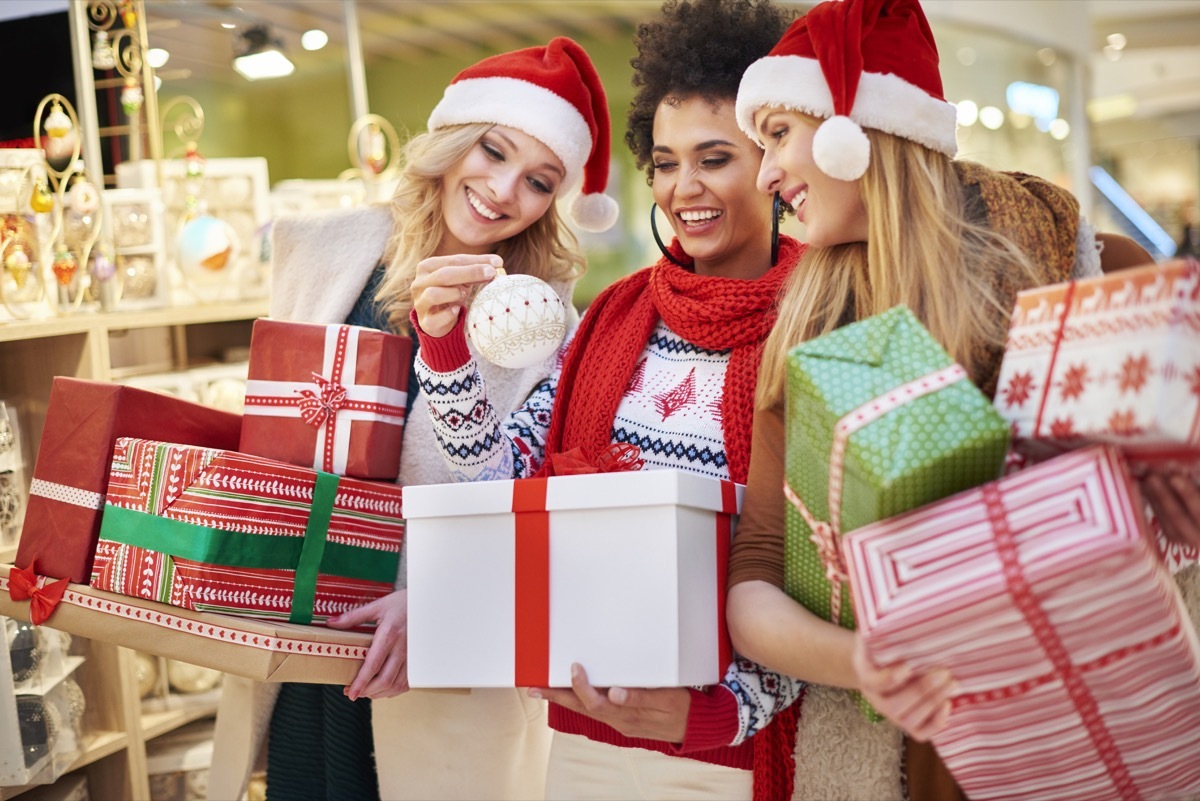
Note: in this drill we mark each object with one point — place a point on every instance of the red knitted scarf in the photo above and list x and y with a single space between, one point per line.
708 311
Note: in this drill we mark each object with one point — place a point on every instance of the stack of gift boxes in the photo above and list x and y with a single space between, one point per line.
1044 591
288 515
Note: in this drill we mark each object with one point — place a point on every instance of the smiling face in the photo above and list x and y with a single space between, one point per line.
704 172
832 211
504 184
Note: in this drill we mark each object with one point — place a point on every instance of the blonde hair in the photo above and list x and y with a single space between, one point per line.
922 251
546 249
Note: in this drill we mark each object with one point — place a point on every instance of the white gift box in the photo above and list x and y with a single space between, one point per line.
510 582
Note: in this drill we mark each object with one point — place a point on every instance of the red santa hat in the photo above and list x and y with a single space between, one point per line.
553 94
859 64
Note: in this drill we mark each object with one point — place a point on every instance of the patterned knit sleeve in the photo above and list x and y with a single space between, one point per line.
760 694
477 443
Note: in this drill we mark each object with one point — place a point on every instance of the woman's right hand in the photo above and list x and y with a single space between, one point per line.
919 704
443 285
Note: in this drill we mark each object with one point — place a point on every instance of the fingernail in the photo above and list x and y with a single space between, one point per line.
496 261
535 693
576 670
488 271
618 695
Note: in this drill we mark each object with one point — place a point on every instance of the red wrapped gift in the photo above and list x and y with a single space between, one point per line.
83 420
1042 593
1113 359
330 397
218 531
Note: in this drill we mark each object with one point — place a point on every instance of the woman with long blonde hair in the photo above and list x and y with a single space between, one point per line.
859 140
512 134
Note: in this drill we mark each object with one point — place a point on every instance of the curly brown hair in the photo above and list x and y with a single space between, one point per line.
696 48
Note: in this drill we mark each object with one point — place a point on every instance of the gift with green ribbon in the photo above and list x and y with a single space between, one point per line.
880 420
215 530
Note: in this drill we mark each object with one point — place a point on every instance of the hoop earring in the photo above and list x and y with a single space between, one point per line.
658 239
775 209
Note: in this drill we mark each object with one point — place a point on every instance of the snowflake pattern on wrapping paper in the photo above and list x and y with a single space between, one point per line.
1074 381
1194 380
1019 388
1135 371
1063 428
1124 423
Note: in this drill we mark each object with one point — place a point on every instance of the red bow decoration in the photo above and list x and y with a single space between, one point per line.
315 409
23 586
616 458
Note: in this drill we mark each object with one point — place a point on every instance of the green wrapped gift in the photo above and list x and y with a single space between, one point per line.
880 420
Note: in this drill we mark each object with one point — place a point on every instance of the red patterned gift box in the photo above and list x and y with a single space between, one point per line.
1078 668
1112 359
83 420
331 397
219 531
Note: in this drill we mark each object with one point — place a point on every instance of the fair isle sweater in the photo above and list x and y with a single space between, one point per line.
671 410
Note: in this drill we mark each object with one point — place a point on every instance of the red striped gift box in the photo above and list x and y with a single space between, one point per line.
220 531
1043 594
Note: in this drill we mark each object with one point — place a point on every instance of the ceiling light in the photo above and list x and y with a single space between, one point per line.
968 112
1117 41
314 39
991 117
260 56
1060 129
157 57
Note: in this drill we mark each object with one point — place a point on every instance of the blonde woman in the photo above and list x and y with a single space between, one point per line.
858 138
511 135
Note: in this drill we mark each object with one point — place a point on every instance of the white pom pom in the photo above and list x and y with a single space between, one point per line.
596 212
841 149
517 321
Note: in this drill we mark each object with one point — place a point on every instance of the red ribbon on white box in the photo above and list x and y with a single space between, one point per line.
329 399
532 589
827 535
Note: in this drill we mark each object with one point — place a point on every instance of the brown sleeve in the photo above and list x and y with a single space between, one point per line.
758 545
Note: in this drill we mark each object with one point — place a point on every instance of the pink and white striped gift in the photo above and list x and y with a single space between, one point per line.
1043 595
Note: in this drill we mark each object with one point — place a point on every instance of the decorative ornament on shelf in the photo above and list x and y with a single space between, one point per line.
102 52
128 13
17 264
84 197
516 321
64 266
205 244
58 124
132 96
374 149
40 200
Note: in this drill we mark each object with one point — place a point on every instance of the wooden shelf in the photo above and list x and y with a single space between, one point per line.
190 708
96 746
102 322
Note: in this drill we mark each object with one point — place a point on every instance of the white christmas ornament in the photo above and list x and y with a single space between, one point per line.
516 321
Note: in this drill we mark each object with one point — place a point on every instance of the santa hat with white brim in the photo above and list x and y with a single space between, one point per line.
553 94
857 64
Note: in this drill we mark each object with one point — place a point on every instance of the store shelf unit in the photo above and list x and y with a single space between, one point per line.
110 346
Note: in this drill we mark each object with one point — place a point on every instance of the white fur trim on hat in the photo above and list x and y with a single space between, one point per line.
596 212
883 102
525 106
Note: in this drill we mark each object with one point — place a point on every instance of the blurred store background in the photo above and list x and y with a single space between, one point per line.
1102 96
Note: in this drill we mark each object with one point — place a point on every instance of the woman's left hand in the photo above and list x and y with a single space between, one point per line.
384 672
919 703
655 714
1175 498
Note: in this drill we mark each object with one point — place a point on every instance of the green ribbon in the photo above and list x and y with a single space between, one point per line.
308 557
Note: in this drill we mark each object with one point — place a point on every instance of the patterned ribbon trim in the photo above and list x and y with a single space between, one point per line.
64 493
827 535
1054 348
287 645
331 400
1070 674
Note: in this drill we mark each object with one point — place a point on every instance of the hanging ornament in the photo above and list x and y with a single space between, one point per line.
40 200
17 264
128 13
131 96
103 267
103 57
205 243
64 266
193 162
58 124
376 151
83 197
517 321
61 148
